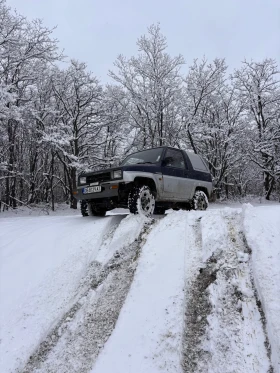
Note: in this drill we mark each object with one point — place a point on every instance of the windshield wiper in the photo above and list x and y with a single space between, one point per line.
145 162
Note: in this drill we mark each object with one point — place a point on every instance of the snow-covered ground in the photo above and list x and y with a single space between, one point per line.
42 261
148 333
188 292
262 230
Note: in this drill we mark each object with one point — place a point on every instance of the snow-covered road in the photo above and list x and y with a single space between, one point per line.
191 292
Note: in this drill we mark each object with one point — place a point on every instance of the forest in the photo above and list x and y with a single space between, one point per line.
56 122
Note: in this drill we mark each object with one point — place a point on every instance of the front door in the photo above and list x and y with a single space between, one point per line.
174 173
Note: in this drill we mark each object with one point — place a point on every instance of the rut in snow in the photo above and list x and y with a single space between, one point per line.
197 308
258 303
239 240
75 342
224 325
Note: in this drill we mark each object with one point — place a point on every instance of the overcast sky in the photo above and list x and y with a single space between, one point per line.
96 32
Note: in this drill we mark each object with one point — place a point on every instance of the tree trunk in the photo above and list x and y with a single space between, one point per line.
51 181
191 141
33 163
268 185
73 186
226 186
7 197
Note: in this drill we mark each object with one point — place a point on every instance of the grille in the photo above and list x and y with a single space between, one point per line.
106 176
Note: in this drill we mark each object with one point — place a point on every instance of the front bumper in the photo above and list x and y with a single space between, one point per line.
119 194
108 190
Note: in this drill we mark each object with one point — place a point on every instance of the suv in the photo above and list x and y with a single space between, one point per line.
147 182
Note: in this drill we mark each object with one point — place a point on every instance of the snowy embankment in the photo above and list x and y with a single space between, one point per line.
262 231
148 334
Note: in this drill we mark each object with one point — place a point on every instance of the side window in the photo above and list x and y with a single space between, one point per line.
197 162
174 158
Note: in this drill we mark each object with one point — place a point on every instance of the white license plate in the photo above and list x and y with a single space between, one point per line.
93 189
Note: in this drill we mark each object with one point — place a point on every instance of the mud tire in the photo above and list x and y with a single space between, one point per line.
95 211
141 201
84 208
199 201
159 210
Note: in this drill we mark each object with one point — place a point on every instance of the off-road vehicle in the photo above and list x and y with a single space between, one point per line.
147 182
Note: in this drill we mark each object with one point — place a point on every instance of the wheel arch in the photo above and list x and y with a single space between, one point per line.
141 181
202 189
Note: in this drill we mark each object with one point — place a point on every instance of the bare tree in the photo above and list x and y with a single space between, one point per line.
259 89
23 47
78 135
203 80
152 83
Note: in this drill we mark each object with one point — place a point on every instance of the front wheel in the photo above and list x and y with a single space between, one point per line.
141 201
84 208
199 201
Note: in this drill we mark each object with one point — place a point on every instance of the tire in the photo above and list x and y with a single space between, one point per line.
199 201
141 201
95 211
159 210
84 208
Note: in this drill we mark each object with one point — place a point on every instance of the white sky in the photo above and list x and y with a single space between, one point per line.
95 32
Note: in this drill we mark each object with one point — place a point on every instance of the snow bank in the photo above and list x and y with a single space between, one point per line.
127 231
148 333
213 228
262 231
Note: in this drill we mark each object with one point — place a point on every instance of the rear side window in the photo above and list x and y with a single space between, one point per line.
197 163
174 158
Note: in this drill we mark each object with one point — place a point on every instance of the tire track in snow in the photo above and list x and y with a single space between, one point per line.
86 284
258 302
197 305
49 265
223 327
261 228
75 342
250 306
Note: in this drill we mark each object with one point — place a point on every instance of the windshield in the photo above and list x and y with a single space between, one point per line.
146 156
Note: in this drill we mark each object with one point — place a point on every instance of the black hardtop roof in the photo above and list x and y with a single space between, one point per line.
157 147
163 147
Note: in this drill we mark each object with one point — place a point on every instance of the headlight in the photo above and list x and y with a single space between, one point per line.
117 174
83 180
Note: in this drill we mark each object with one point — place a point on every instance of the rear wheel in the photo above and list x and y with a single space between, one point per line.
95 211
199 201
141 201
159 210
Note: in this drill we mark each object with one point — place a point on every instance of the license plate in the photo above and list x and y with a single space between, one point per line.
93 189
